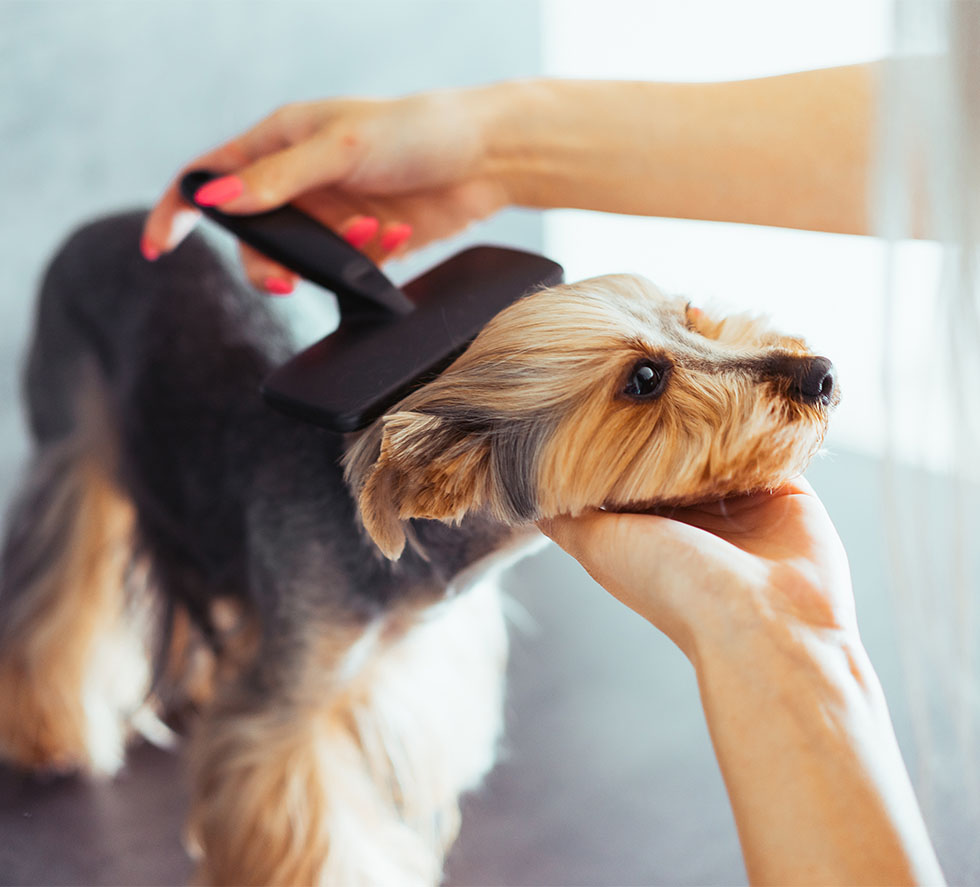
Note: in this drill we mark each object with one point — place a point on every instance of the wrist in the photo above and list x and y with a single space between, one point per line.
519 130
779 609
814 773
780 657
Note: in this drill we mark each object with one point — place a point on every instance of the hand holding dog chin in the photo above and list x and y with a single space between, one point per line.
716 577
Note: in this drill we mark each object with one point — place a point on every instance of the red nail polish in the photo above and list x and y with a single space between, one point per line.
395 236
219 191
150 252
361 230
277 286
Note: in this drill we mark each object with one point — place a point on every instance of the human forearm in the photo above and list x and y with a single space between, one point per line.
817 784
791 151
756 591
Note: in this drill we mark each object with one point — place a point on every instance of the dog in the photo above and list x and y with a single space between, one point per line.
323 606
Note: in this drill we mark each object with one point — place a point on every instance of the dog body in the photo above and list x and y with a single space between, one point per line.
176 541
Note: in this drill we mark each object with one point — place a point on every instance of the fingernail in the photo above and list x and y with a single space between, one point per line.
183 223
150 252
361 230
395 236
277 286
219 191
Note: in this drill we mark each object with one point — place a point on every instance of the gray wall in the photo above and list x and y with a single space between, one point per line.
102 100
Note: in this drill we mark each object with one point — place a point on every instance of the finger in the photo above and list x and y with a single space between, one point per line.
648 563
562 529
394 239
714 513
164 228
594 537
280 177
411 221
359 230
427 219
356 218
173 218
265 274
582 537
797 485
160 231
288 125
610 543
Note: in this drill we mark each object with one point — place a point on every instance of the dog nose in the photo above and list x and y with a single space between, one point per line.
814 380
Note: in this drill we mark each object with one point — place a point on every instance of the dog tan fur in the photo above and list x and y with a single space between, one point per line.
345 702
357 780
537 402
74 660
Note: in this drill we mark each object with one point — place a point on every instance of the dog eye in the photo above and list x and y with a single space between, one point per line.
647 379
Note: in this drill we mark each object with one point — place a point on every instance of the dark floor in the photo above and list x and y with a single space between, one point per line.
606 776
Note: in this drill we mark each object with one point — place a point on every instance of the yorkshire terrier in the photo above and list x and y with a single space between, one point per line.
325 604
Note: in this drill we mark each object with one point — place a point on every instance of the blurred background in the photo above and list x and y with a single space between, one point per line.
606 774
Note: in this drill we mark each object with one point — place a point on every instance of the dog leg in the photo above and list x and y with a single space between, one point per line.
429 711
352 775
73 657
278 775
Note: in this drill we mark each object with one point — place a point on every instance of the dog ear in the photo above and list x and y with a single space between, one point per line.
426 466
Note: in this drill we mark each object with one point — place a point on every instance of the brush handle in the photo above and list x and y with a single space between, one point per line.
301 243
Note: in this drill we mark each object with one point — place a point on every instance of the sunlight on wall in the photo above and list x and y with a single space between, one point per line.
829 288
708 39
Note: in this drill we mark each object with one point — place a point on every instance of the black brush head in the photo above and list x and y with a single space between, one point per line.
390 340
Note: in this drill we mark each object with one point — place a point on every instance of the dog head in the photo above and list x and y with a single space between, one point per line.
604 393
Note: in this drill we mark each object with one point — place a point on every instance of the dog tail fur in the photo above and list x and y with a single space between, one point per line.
72 670
73 654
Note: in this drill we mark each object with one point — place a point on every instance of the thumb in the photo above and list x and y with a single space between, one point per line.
560 529
620 550
639 560
586 537
279 178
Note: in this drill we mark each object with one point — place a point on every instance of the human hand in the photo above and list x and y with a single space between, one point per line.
713 575
390 175
756 591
